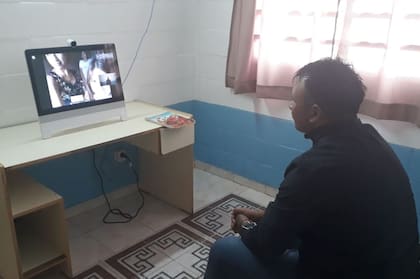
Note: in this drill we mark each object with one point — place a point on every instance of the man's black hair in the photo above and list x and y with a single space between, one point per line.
333 85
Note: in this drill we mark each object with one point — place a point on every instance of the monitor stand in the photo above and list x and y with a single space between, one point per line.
52 124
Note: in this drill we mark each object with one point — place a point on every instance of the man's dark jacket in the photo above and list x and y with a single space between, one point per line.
349 203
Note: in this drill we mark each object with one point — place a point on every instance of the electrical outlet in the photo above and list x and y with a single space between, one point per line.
117 156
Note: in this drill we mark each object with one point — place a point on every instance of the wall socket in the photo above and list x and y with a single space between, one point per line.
117 156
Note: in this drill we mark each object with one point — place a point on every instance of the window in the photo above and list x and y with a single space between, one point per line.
377 36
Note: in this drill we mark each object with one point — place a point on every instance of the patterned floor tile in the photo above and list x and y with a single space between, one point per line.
173 270
177 252
164 256
96 272
214 220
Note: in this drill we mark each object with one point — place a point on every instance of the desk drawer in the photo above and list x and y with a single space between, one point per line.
165 140
174 139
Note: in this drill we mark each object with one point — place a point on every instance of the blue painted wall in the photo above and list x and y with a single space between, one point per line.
75 178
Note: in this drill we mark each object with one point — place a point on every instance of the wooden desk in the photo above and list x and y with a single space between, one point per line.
33 230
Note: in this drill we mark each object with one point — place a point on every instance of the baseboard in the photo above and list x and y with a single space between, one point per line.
268 190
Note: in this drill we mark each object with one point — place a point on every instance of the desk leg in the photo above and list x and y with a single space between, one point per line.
169 177
9 259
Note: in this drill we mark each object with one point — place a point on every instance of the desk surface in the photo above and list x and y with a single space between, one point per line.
22 145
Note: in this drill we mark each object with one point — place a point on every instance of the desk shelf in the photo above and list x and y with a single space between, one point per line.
38 222
36 253
27 195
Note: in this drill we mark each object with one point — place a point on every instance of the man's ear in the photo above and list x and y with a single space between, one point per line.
316 114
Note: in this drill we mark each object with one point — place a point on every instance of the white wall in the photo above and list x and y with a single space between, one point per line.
164 71
213 35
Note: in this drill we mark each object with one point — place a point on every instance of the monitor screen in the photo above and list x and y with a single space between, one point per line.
75 86
68 78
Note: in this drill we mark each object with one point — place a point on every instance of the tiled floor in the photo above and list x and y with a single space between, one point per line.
91 241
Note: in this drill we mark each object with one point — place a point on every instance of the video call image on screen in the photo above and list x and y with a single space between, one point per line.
81 77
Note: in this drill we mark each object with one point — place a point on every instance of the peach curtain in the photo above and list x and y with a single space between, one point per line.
271 39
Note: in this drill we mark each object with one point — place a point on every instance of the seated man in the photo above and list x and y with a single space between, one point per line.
346 203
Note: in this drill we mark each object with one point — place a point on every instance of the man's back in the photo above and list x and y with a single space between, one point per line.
364 223
347 200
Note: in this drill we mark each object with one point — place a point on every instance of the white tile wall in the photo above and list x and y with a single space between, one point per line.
12 58
174 15
212 67
152 70
17 103
215 14
165 93
213 41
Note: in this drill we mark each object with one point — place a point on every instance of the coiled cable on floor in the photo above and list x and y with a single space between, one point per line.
126 217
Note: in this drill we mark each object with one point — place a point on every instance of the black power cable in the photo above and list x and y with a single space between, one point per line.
127 217
141 41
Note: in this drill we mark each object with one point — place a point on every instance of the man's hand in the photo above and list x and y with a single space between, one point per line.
237 221
252 214
240 215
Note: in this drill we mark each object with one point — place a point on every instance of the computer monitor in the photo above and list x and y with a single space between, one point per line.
75 86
